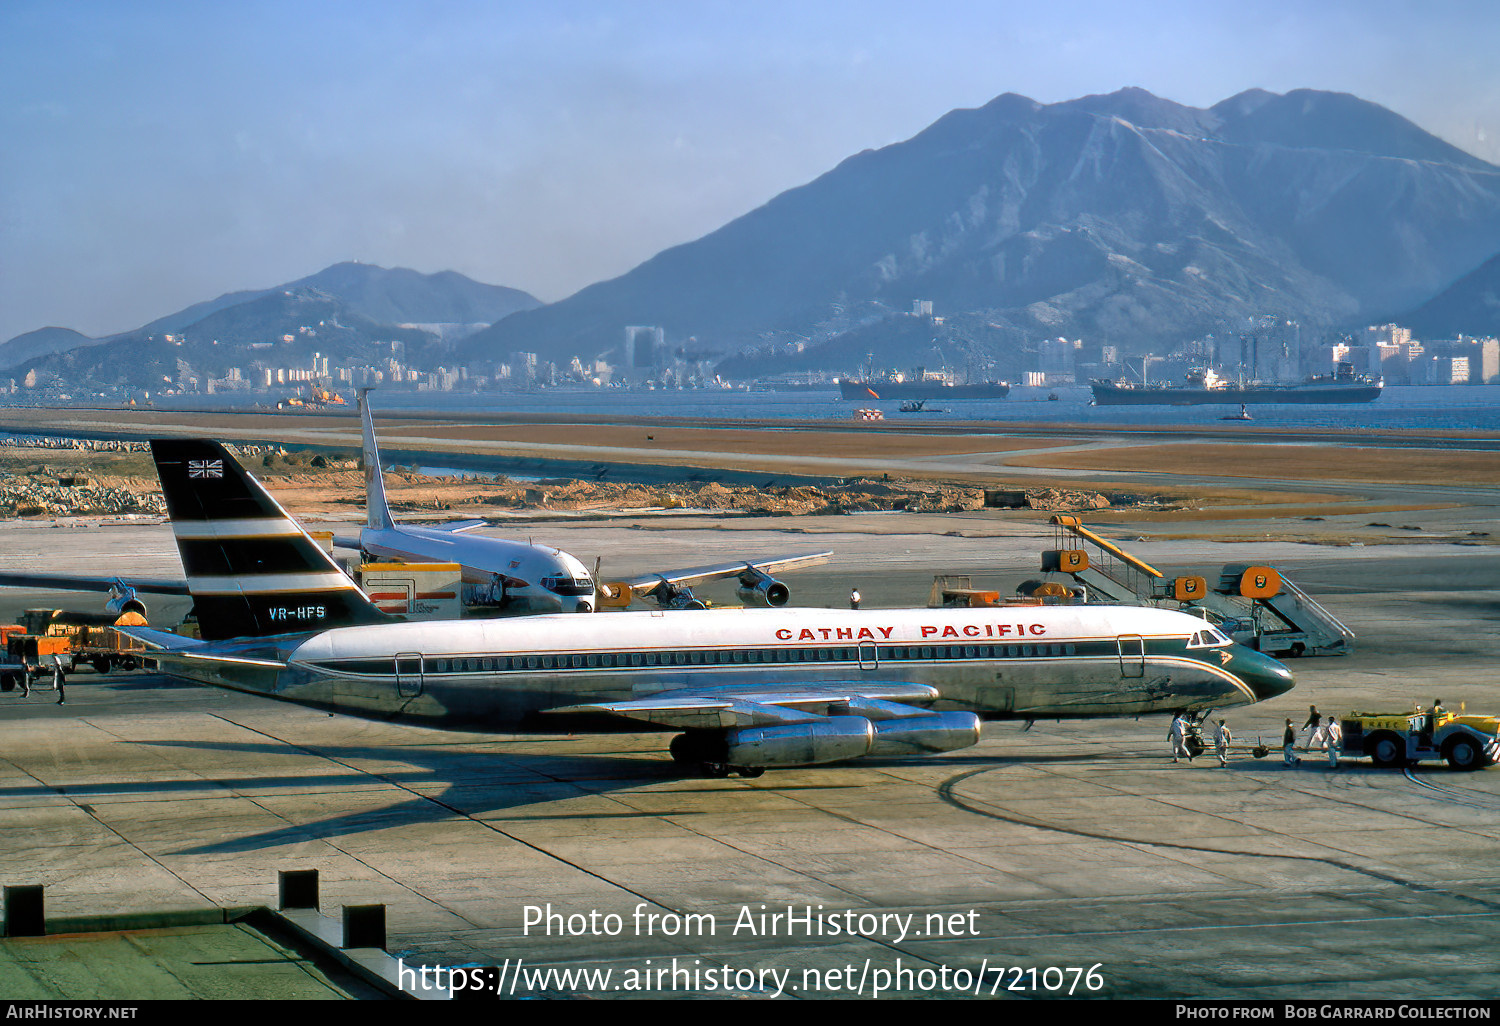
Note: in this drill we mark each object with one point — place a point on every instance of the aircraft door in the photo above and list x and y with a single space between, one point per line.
409 674
868 659
1132 649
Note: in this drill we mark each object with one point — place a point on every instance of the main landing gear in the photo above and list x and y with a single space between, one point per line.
704 755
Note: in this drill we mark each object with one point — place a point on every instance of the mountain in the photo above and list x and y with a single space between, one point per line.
1122 218
281 329
339 312
388 296
1470 306
42 342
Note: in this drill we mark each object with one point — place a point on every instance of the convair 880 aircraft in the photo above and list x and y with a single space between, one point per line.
517 578
748 689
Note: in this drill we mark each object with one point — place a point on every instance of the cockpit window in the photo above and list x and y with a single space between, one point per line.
568 585
1209 638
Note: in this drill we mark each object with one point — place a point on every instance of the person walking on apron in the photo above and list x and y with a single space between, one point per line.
1222 737
1177 734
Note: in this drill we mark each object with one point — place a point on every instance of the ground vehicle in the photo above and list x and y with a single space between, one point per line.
76 639
1403 738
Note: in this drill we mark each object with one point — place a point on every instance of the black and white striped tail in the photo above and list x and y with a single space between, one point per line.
251 570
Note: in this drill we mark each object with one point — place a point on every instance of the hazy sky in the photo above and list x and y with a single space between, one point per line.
154 154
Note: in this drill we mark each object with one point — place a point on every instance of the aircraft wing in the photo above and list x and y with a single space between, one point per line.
352 541
164 641
714 571
730 706
458 526
73 582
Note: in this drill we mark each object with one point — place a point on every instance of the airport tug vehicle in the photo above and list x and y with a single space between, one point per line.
1404 738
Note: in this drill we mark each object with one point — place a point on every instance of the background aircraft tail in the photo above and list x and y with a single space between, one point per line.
377 511
251 570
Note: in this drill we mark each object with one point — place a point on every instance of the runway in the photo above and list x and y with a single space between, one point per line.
1073 845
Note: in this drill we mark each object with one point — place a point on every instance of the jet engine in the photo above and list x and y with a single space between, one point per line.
675 596
123 599
924 735
761 589
826 739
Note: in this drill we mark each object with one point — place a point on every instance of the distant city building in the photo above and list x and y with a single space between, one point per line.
1387 334
1057 358
645 350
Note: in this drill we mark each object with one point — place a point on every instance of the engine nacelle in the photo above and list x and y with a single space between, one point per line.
761 589
924 735
123 599
767 591
828 739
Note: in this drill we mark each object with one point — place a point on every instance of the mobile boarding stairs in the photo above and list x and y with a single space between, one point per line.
1255 605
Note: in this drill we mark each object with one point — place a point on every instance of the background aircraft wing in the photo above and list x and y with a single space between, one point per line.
73 582
457 526
714 571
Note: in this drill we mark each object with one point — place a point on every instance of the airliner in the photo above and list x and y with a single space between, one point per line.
515 577
501 577
744 689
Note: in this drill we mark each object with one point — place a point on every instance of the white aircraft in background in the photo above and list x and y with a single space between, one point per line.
511 578
746 690
519 577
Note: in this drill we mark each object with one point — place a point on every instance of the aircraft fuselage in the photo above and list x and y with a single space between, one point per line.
1023 662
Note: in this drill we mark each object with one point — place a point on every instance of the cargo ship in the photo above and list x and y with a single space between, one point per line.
1206 387
922 388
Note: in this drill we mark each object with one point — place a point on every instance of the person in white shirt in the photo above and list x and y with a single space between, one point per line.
1333 739
1178 736
1222 737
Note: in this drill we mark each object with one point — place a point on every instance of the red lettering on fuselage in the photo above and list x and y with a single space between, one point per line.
969 630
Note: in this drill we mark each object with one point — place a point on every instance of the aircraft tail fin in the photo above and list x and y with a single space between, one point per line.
377 510
252 572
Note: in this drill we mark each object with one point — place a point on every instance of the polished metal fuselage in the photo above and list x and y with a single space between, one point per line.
1023 663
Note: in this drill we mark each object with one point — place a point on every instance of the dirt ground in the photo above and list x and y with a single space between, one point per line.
1301 462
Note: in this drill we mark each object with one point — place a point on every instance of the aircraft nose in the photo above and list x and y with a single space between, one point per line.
1266 677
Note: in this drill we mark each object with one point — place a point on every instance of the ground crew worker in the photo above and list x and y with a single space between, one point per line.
854 598
26 684
1222 738
1313 720
1333 738
1288 743
1429 726
57 680
1177 733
